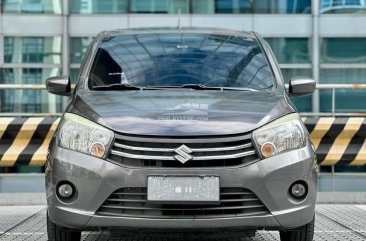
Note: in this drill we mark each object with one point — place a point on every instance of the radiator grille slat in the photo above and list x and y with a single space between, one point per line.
156 153
132 202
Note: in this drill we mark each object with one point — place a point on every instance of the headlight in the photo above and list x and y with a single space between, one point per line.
286 133
80 134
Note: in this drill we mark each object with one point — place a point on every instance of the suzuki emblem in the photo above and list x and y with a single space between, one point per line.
183 154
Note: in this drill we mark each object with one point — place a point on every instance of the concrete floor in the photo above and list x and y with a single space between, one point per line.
333 223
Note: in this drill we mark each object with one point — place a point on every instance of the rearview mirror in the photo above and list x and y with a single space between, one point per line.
300 86
59 85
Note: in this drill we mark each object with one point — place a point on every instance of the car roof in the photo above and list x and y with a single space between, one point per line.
171 30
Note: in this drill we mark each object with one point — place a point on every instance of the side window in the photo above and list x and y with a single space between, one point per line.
105 70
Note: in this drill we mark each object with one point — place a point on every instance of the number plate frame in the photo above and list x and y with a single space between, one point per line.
175 189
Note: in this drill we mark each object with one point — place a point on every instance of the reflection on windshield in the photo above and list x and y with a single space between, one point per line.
181 59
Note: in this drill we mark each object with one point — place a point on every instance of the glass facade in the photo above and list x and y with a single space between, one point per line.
190 6
343 50
186 6
346 100
78 47
153 6
98 6
32 50
295 54
28 101
74 74
233 6
32 6
281 6
27 75
30 61
342 62
291 50
343 6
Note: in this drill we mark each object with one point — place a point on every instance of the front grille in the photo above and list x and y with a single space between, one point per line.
132 202
205 152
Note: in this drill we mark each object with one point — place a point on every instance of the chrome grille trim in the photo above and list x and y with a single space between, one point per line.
136 148
203 152
168 158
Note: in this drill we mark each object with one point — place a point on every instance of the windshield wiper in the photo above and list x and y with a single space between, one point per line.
122 87
197 87
204 87
186 86
116 87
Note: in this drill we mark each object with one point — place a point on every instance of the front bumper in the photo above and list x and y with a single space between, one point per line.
96 179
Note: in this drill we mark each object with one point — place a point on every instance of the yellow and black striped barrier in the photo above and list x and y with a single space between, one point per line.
338 140
24 141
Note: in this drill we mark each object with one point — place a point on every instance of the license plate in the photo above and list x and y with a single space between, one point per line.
183 189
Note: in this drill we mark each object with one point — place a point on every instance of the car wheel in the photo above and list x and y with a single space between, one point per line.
304 233
58 233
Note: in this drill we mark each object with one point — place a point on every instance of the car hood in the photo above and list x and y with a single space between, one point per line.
181 112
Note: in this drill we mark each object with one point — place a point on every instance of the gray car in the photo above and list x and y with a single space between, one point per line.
171 132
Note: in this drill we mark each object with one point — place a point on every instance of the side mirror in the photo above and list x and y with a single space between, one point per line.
59 85
300 86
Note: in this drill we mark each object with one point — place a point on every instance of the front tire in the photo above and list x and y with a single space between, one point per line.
303 233
58 233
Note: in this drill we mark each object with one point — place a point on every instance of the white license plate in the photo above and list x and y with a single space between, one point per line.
183 189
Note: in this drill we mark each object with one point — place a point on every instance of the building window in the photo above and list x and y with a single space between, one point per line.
203 6
32 50
293 55
343 6
30 61
343 50
159 6
78 47
98 6
130 6
190 6
74 75
279 6
28 101
8 49
291 50
343 61
247 6
347 100
233 6
32 6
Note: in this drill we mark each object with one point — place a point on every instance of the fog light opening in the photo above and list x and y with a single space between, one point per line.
65 190
299 190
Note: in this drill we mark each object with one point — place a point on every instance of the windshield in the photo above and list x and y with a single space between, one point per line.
148 60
